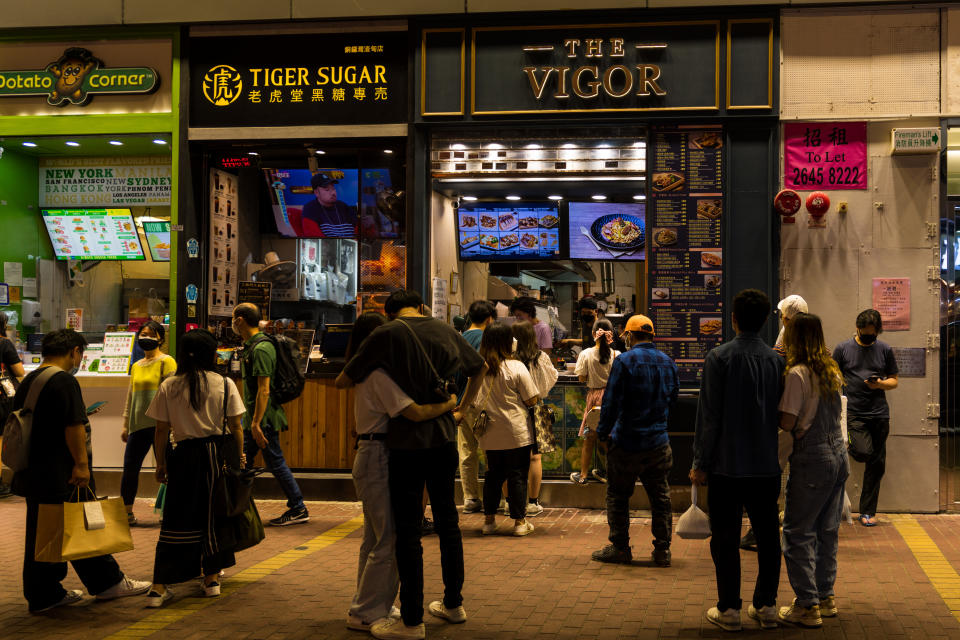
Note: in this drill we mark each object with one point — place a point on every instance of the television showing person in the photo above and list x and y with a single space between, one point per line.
327 216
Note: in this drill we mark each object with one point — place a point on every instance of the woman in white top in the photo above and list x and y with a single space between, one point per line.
378 399
810 410
508 390
544 375
593 368
196 405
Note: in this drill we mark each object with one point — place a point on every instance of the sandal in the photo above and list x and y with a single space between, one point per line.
867 521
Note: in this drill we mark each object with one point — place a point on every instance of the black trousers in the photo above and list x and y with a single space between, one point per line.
41 580
411 470
138 446
726 499
651 467
868 444
511 465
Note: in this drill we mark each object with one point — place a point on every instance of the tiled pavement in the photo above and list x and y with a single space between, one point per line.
541 586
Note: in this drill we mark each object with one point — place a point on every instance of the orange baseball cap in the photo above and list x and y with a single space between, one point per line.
640 322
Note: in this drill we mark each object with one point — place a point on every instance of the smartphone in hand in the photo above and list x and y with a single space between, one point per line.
96 406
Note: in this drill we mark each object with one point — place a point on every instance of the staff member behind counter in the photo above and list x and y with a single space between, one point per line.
587 309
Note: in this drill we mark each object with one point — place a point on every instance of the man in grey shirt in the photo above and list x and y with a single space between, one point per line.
735 452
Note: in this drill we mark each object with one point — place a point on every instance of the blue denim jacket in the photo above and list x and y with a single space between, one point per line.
643 383
737 415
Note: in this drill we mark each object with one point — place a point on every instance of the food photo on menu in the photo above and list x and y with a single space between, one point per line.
607 231
711 259
504 232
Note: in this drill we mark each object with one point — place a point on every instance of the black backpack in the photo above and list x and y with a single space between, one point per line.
287 381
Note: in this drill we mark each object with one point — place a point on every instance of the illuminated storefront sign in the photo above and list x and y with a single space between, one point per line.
75 77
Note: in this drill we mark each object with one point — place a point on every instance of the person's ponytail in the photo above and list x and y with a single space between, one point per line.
603 341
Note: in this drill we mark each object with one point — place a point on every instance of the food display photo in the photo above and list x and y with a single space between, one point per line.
506 232
607 231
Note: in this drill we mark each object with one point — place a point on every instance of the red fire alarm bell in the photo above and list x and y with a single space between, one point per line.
787 204
818 203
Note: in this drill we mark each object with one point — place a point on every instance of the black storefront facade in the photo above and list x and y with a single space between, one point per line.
511 108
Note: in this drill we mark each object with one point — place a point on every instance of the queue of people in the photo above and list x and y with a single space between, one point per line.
429 399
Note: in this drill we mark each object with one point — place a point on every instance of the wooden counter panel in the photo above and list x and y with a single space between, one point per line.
322 428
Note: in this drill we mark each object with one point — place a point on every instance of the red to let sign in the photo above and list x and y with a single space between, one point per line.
825 155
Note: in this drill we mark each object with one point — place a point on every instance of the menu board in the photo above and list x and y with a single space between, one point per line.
685 269
112 357
93 234
158 239
222 276
607 230
257 293
530 232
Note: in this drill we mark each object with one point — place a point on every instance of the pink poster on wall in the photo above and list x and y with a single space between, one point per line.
825 155
891 297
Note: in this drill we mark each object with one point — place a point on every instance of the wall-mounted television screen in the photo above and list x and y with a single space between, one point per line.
158 240
607 231
491 232
93 234
314 205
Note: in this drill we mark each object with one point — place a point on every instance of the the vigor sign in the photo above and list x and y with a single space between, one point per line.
75 77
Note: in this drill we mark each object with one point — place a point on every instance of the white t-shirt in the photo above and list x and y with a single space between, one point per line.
588 364
378 399
544 374
172 404
502 396
800 397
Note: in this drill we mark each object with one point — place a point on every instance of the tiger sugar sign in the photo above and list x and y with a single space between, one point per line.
75 78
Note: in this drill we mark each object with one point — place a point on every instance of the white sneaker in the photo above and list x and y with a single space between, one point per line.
534 509
728 620
156 600
394 628
524 529
456 615
766 616
126 587
211 590
489 529
357 624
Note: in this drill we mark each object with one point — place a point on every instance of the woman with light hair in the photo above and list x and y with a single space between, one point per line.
787 309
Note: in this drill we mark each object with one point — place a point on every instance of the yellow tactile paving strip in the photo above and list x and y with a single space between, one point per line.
179 609
943 577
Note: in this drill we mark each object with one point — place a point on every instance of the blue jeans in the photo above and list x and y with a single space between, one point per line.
811 523
273 458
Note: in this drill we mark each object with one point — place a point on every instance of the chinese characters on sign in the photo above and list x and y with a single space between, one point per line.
825 155
891 297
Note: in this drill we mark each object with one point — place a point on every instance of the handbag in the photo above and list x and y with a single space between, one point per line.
543 418
476 416
694 524
81 529
233 487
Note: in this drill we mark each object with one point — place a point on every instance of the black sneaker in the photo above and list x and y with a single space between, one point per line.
291 516
5 491
613 555
426 527
749 541
661 556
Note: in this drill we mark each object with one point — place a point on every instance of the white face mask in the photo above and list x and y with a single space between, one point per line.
514 347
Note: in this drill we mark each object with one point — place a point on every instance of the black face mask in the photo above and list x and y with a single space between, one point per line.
586 318
868 338
148 344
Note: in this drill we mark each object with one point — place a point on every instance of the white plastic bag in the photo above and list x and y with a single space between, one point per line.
847 513
694 524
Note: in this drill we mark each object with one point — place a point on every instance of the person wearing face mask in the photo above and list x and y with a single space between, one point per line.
869 371
59 466
138 429
587 312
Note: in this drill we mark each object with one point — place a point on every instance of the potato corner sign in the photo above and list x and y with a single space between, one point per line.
75 77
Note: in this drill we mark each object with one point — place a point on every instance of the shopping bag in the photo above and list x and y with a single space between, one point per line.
240 532
847 512
64 533
161 499
694 524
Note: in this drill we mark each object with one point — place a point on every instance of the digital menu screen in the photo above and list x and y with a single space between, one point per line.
314 205
607 231
93 234
158 240
685 267
503 232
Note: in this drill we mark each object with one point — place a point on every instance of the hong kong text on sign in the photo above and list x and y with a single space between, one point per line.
825 155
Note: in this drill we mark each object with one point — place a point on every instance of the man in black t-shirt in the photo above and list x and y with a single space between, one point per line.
57 466
11 368
422 454
869 371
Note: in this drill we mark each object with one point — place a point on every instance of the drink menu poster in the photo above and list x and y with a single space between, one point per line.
222 276
685 266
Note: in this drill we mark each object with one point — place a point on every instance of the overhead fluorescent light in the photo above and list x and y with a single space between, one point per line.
639 196
554 197
470 198
30 144
598 196
514 198
159 141
71 143
116 143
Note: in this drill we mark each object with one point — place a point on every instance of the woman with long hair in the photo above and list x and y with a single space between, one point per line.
196 405
593 369
810 410
544 375
378 398
508 390
146 376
